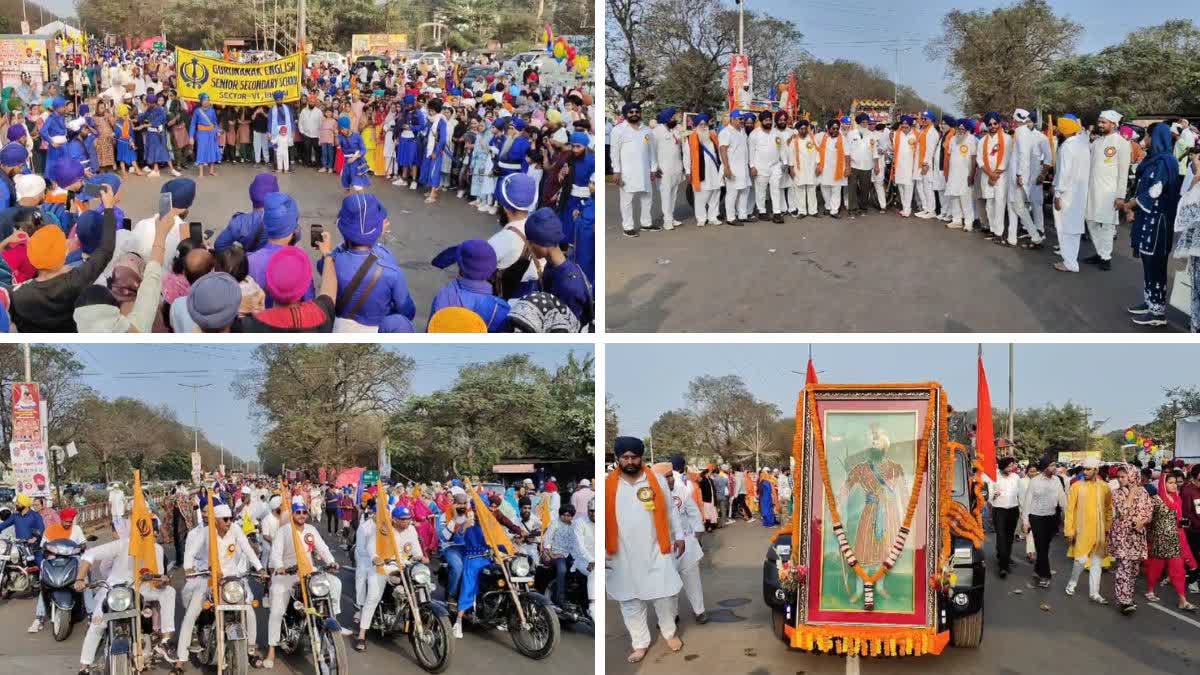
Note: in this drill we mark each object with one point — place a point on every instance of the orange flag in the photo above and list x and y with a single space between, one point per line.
544 511
214 550
385 544
141 532
495 535
985 436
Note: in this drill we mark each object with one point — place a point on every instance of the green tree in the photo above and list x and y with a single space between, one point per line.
612 425
674 433
726 411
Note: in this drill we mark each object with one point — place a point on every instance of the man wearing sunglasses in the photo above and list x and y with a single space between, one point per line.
994 151
235 554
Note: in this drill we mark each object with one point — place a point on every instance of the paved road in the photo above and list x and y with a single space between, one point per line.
1019 638
879 273
478 651
418 231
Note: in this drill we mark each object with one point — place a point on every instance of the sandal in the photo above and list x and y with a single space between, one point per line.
636 656
1152 597
1187 607
1030 246
360 645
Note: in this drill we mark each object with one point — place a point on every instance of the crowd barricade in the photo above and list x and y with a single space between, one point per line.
92 514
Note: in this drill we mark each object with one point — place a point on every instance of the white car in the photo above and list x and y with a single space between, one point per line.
332 59
434 59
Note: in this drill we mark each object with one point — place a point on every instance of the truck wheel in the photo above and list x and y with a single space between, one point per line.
967 631
778 620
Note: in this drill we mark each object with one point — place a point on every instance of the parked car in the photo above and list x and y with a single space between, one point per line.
478 73
332 59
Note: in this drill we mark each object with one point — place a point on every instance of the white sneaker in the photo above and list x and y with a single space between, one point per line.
668 227
700 223
906 214
35 626
1099 599
175 172
458 629
460 194
399 182
153 173
412 185
346 631
715 221
1194 587
924 215
1070 589
492 209
954 224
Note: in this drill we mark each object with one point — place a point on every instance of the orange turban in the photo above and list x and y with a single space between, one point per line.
48 248
662 468
456 320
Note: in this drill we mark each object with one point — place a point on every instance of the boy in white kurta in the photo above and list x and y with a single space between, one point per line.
995 152
1071 191
803 165
1107 191
633 166
668 156
643 540
960 176
702 166
905 164
735 161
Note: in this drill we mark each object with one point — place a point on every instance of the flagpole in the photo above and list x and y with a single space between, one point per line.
1011 371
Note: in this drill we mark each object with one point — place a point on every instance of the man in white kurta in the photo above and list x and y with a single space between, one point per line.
284 556
883 150
735 163
633 166
1044 157
637 572
994 155
691 521
940 158
862 149
803 166
960 177
783 135
407 545
905 166
765 167
1025 171
1107 190
833 166
702 166
1071 191
927 143
668 156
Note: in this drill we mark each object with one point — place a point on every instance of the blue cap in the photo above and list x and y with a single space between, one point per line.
13 154
544 228
299 506
580 138
928 114
183 192
402 513
518 123
281 215
57 102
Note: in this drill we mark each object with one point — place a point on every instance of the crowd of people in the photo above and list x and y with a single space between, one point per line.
1145 520
433 522
988 173
506 144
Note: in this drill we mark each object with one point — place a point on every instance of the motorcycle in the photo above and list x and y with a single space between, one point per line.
60 563
575 611
19 574
408 607
234 601
506 598
115 653
316 622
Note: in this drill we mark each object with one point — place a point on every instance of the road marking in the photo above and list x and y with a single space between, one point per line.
1173 613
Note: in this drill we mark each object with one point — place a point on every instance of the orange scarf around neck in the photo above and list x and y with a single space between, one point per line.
662 526
947 146
896 151
698 158
922 142
987 159
839 171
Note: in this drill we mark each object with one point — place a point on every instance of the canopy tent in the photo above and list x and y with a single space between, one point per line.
56 27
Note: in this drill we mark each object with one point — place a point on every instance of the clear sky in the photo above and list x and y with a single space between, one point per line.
153 373
863 31
1122 384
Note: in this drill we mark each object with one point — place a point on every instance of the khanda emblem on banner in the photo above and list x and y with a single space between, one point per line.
144 527
194 73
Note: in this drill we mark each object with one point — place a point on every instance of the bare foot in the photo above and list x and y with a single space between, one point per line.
675 644
636 655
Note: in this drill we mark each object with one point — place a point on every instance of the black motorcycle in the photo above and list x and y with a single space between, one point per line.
60 562
115 654
407 607
576 610
506 598
19 572
235 600
314 624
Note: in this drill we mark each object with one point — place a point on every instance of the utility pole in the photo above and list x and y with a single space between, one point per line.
28 362
196 417
650 446
741 25
1010 392
896 80
300 27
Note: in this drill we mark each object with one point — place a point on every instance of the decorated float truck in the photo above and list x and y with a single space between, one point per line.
883 555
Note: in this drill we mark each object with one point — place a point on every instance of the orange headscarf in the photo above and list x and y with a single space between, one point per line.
839 171
662 526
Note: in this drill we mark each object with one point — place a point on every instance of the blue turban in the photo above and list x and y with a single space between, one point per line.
476 259
665 115
518 123
183 192
862 117
544 228
580 138
968 124
84 109
401 513
701 118
630 107
409 99
278 96
928 114
500 122
624 444
16 132
203 97
991 116
13 154
57 102
281 215
360 220
518 192
344 122
112 180
88 229
67 171
262 185
905 119
949 120
321 80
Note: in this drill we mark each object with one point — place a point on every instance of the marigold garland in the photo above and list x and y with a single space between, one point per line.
868 640
919 478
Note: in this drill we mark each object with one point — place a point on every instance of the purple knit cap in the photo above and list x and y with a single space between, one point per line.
289 274
262 185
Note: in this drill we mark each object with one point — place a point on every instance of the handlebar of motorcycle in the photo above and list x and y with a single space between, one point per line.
316 568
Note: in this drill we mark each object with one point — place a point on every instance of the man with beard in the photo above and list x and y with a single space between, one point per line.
633 167
802 196
642 540
861 144
765 167
735 163
668 151
581 168
1109 183
832 167
702 166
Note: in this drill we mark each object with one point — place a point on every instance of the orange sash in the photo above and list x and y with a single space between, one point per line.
947 146
922 143
839 171
896 152
124 131
662 527
697 156
987 160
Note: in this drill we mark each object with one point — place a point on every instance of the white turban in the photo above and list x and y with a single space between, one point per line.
1091 463
1112 116
222 511
1021 115
75 124
276 502
32 185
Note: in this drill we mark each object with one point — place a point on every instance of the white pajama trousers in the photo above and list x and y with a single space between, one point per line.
1068 245
925 194
996 206
764 185
803 199
881 194
737 203
906 195
708 206
1037 200
194 601
1103 236
643 201
635 614
668 192
376 585
362 570
1018 214
961 208
1094 563
281 591
693 588
832 194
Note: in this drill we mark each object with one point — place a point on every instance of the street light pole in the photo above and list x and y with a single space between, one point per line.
196 417
1010 391
741 26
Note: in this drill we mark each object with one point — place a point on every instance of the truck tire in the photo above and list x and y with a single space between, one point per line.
967 631
778 620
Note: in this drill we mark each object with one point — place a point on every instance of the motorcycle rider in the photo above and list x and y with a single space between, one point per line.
116 554
235 554
532 525
283 555
408 546
451 528
362 554
27 526
64 529
266 531
559 547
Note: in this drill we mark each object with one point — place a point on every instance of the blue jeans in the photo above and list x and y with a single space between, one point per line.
327 155
561 565
454 560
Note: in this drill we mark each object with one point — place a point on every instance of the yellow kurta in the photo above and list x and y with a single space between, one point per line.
374 151
1088 518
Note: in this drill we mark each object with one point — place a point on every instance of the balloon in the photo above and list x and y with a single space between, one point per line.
570 52
560 50
1130 434
514 90
1147 444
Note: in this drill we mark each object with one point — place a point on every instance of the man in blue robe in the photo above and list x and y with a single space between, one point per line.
582 169
435 145
476 260
247 228
513 155
54 132
89 140
355 172
203 133
583 247
12 160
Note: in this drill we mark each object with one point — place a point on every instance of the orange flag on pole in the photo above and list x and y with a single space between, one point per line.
141 532
495 535
385 544
985 435
214 547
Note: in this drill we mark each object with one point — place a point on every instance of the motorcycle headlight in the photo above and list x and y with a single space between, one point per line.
421 575
5 546
519 566
60 548
120 599
233 593
784 551
318 586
